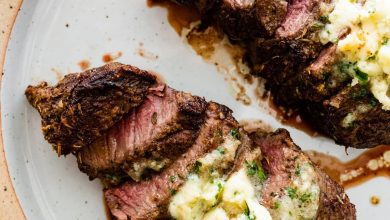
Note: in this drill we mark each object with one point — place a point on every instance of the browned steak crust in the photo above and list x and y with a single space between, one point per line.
83 105
302 74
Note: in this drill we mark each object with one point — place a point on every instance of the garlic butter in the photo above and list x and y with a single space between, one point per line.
366 45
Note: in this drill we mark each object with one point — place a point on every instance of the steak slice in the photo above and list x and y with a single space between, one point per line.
284 161
300 16
82 106
150 137
149 199
352 117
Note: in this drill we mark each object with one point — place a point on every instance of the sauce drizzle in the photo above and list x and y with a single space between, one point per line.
179 16
370 164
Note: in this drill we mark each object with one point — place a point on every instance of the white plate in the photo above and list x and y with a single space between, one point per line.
52 188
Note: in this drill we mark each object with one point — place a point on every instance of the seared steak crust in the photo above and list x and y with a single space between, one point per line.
159 130
149 199
83 105
279 160
153 123
282 43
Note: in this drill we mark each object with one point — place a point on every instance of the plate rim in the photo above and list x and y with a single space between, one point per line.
10 206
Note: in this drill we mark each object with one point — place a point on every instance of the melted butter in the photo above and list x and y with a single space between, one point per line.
366 48
209 194
370 164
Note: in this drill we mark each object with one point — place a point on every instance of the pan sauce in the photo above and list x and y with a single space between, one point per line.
370 164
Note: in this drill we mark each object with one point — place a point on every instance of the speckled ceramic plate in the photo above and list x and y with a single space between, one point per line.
50 38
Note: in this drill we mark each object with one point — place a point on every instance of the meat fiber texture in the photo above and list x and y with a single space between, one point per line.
150 199
84 105
170 126
282 44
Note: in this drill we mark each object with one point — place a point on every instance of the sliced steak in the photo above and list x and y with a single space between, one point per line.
150 137
284 161
352 117
300 16
149 199
82 106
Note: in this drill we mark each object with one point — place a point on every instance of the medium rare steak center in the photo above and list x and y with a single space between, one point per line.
167 154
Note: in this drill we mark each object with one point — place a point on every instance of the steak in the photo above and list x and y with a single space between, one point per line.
82 106
150 137
304 76
149 199
282 160
161 133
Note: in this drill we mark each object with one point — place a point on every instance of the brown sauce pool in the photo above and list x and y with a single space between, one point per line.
370 164
293 119
179 16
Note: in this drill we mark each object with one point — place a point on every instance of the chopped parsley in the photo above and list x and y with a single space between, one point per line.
221 150
305 197
292 192
276 205
371 58
173 178
255 170
317 25
234 133
324 19
197 167
373 102
361 76
173 192
298 171
247 212
219 187
384 41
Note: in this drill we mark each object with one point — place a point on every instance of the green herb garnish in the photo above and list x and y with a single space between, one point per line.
317 25
373 102
247 212
197 167
255 170
305 197
221 150
292 192
234 133
173 178
324 19
298 171
361 76
276 205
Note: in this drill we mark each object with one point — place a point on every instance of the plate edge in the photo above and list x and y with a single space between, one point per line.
9 206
